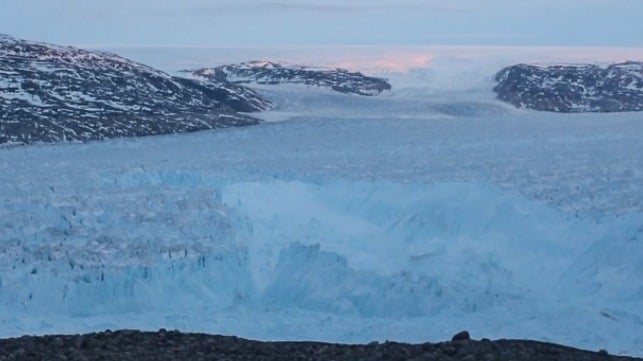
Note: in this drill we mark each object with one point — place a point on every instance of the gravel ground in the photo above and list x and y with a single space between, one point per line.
173 345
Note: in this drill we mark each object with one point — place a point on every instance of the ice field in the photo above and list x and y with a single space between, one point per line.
405 217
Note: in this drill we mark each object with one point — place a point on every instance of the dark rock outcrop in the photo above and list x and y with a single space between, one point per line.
130 345
573 88
51 93
265 72
461 336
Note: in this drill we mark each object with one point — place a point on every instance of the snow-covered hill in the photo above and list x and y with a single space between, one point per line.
573 88
51 93
265 72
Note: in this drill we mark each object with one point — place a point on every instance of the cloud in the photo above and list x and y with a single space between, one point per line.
365 7
297 22
479 36
309 7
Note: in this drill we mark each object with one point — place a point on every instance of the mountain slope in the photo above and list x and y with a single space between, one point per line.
264 72
573 88
51 93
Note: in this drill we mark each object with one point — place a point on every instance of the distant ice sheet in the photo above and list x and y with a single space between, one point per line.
450 66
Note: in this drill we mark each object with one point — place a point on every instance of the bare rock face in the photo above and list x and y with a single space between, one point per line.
133 345
51 93
573 88
265 72
461 336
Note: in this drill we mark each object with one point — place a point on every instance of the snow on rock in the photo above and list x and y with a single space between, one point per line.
573 88
265 72
51 93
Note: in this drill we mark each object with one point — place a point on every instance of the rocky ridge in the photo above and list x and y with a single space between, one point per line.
173 345
573 88
51 93
271 73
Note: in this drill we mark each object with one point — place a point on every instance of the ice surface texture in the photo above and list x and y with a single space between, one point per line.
334 230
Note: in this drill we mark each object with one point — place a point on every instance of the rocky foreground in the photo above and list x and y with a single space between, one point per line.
173 345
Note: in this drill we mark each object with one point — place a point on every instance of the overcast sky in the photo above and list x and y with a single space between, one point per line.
614 23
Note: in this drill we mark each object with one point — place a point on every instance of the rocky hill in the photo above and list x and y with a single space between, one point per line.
51 93
573 88
173 345
265 72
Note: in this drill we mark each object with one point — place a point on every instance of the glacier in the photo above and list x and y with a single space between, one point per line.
405 217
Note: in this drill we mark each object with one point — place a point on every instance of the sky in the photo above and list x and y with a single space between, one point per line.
614 23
